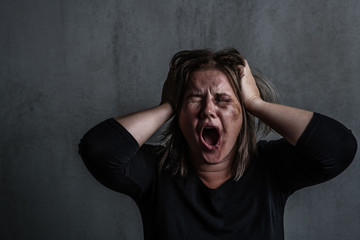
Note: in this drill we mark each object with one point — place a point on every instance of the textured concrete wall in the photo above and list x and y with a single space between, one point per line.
66 65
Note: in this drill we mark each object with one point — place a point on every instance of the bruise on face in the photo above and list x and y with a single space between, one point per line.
211 116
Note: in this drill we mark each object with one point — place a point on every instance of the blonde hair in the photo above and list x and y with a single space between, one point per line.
182 65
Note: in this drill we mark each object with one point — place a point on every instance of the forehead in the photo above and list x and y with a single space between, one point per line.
206 78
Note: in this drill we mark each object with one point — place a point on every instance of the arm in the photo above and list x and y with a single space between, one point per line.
114 150
113 157
317 149
111 150
289 122
324 150
142 125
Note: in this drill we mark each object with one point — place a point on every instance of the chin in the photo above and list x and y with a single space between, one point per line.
213 158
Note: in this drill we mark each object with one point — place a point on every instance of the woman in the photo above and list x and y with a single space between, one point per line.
212 180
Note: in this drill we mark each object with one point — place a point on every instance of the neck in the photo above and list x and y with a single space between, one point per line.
213 176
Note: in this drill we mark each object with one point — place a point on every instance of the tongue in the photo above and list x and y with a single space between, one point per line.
211 136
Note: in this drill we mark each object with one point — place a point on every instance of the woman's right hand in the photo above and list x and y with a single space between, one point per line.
141 125
169 90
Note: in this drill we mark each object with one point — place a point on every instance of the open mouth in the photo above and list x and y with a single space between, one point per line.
210 137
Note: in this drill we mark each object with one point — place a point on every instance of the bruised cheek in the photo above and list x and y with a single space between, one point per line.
234 112
234 123
235 120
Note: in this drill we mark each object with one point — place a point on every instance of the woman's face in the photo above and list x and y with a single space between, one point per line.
210 117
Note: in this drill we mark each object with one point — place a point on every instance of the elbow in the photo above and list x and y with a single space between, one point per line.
100 165
106 168
350 146
344 155
92 155
98 155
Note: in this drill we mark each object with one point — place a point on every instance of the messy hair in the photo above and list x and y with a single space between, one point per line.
182 65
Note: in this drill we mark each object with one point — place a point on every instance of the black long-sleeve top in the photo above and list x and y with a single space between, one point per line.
175 207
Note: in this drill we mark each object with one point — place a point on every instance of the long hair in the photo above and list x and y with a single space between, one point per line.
183 64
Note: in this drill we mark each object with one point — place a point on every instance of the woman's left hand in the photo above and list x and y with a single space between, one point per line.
289 122
250 94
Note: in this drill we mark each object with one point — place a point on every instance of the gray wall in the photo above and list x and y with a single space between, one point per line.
67 65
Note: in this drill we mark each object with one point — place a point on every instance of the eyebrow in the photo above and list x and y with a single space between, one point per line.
222 94
193 94
190 94
191 91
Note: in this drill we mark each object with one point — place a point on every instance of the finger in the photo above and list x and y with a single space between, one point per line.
241 69
246 64
246 67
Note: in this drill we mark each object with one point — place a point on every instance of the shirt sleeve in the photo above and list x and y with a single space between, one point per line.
325 149
114 158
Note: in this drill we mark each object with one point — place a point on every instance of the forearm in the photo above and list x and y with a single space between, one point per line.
141 125
289 122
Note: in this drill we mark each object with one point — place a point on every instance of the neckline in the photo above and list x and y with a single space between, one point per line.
224 184
203 185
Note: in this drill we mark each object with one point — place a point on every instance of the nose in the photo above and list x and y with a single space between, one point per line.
208 109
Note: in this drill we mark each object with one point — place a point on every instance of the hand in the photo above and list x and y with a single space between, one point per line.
289 122
250 94
169 90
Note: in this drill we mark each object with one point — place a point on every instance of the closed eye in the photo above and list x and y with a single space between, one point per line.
223 98
194 98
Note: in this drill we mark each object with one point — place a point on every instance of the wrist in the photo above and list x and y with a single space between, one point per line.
254 105
167 109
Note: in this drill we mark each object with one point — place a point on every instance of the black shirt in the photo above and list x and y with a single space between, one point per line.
175 207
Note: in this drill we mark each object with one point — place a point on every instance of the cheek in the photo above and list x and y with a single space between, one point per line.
234 118
188 113
237 112
182 121
186 121
234 112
